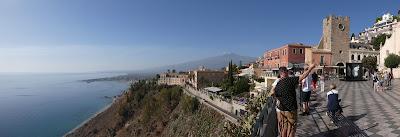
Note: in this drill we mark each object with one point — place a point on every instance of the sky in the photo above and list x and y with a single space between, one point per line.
114 35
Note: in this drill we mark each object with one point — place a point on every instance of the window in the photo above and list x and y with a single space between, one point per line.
294 51
358 57
352 57
340 51
301 51
322 60
283 52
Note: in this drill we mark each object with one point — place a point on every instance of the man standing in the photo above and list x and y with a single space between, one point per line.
390 78
314 80
306 92
285 91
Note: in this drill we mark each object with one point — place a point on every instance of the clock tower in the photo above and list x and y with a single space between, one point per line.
335 38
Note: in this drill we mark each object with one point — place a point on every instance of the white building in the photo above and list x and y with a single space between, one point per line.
358 51
247 72
391 46
383 26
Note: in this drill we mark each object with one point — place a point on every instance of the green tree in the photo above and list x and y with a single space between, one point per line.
353 35
392 61
369 62
378 19
241 85
396 18
230 74
173 71
235 69
376 42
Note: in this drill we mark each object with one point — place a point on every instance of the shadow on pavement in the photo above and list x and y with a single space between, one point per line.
356 117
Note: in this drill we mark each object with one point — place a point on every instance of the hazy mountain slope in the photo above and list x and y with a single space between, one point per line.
216 62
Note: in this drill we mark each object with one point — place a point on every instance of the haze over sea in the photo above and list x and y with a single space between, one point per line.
50 105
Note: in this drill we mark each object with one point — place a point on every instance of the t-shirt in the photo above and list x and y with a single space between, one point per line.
307 84
285 91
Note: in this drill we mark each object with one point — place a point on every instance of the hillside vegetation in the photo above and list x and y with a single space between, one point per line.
147 109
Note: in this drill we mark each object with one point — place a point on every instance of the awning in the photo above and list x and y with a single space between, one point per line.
213 89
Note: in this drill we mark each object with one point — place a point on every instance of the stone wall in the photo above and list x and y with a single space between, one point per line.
218 101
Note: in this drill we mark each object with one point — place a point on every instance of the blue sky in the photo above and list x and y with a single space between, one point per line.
103 35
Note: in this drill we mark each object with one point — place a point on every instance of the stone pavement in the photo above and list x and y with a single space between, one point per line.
376 113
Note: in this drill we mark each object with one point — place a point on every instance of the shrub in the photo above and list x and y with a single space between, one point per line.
190 104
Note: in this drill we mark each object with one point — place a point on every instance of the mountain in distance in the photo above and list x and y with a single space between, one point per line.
214 63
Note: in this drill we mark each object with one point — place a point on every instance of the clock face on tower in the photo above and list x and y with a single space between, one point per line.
341 27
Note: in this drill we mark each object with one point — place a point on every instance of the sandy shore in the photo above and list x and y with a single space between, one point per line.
93 116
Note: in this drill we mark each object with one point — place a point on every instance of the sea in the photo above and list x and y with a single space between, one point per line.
51 105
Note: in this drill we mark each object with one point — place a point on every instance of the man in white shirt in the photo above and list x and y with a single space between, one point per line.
306 93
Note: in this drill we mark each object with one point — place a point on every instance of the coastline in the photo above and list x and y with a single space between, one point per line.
93 116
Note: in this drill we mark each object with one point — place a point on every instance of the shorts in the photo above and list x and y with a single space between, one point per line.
305 96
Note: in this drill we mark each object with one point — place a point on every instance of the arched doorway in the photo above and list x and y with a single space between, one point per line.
340 69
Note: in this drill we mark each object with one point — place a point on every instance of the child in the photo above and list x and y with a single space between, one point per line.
333 101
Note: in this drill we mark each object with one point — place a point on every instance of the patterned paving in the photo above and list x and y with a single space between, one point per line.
376 113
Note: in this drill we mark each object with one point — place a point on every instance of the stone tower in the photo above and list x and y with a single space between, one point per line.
335 38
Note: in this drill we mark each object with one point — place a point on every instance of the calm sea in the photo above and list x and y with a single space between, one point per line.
50 105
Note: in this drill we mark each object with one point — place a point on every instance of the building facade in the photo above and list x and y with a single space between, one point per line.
202 78
173 78
391 46
335 39
336 49
358 51
384 26
320 57
285 56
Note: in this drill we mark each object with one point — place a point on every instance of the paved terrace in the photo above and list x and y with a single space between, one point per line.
375 113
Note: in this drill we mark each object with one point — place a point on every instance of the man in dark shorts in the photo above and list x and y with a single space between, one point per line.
285 92
306 92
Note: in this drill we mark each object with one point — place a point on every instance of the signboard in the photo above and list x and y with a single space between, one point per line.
354 71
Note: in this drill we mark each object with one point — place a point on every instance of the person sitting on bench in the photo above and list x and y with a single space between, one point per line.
333 101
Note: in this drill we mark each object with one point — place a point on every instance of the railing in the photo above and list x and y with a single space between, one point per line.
266 122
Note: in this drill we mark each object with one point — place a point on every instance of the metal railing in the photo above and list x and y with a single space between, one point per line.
266 122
